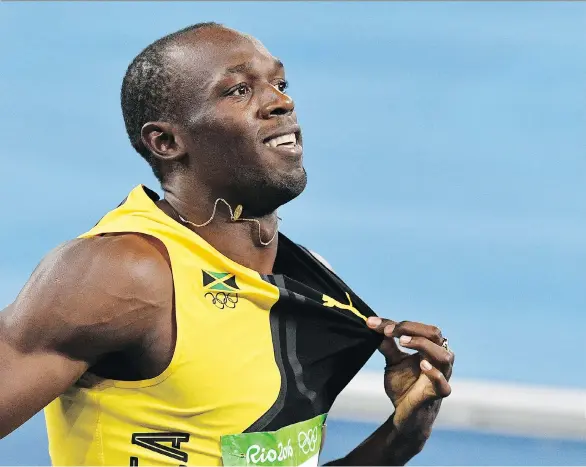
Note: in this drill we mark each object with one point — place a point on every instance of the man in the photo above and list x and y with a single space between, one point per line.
187 330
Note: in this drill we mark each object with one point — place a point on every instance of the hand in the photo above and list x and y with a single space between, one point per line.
415 383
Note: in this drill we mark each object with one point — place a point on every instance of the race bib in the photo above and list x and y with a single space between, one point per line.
294 445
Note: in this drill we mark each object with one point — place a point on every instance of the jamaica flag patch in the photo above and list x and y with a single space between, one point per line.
220 289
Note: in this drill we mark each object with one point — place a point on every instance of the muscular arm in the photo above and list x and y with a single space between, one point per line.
86 299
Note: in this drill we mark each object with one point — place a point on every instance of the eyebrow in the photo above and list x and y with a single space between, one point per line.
247 66
243 67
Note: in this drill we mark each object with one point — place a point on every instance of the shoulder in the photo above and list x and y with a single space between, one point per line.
121 268
132 252
93 296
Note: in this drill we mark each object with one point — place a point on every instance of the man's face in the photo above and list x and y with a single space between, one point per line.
240 127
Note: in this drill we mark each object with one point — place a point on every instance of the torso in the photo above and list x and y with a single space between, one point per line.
238 353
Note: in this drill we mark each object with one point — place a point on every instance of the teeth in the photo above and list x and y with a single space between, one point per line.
285 139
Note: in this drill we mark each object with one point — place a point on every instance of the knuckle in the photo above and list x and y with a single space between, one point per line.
445 358
385 322
436 333
435 378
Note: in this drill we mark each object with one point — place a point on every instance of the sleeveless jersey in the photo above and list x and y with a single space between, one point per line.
254 353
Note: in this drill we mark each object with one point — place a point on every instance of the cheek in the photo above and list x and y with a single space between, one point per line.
228 139
232 130
220 139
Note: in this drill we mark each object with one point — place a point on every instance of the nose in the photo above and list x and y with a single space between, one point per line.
276 103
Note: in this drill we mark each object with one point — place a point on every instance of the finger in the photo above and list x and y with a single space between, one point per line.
391 351
411 328
388 346
438 355
381 325
441 387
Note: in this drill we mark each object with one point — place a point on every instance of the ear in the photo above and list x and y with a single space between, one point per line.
163 140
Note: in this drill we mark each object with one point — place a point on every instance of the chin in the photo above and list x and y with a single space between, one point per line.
272 194
294 184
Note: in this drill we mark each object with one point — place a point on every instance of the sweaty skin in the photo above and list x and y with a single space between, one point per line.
104 305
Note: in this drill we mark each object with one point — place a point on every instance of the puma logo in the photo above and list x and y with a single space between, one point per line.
331 303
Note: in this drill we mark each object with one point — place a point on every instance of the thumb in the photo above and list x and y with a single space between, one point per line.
437 387
391 351
430 386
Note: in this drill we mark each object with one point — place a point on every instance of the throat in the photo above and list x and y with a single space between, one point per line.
252 243
241 245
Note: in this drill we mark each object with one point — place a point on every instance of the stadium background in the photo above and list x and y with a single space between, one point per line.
445 149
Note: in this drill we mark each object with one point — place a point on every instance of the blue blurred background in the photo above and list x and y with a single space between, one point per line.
445 149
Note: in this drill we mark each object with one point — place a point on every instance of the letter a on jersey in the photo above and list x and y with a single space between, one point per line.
159 442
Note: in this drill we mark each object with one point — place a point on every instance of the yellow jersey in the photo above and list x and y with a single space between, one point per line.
253 353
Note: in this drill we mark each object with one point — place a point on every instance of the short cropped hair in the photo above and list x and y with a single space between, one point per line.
147 91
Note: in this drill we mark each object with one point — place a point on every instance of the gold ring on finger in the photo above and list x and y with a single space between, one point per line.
445 344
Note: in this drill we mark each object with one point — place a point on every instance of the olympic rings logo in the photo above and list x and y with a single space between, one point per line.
223 300
308 440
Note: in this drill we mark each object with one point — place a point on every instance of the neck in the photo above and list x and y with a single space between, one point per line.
238 240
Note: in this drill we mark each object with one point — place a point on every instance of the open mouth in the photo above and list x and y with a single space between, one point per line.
285 141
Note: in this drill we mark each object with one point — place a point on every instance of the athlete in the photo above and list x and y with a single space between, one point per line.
187 330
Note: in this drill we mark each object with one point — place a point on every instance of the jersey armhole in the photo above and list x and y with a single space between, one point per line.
102 382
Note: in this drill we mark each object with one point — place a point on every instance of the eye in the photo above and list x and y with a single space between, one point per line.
282 85
240 90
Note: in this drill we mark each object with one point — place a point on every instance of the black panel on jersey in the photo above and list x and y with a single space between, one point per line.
318 349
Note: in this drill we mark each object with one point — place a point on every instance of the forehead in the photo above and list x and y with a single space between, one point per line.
207 54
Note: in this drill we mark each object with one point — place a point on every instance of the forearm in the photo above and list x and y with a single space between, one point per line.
386 446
